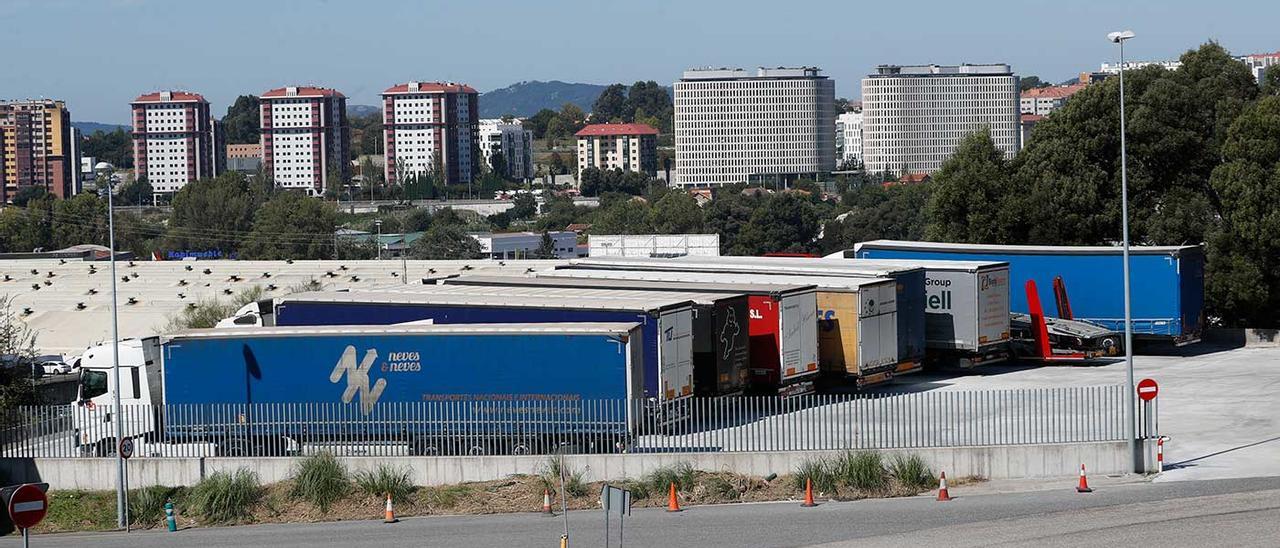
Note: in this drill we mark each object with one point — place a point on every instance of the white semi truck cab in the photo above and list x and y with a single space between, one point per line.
96 416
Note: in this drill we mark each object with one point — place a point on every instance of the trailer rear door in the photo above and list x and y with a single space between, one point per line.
993 306
878 319
675 352
799 335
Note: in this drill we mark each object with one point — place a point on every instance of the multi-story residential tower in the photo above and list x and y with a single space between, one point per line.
305 137
36 137
772 126
849 137
629 147
914 116
513 141
174 139
430 125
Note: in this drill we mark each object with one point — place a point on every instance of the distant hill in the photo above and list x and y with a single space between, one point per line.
89 128
362 110
527 98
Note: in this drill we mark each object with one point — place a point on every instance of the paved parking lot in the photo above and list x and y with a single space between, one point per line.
1219 405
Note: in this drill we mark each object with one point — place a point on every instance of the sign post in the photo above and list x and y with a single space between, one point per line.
1147 391
27 505
615 500
126 451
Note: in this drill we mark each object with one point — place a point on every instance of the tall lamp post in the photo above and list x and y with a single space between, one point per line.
1120 37
378 223
121 520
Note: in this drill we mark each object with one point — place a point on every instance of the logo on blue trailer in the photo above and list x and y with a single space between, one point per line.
358 378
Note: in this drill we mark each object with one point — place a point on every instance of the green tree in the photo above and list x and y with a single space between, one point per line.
876 212
676 213
546 247
291 226
242 120
523 206
1270 84
83 220
623 216
113 147
498 164
728 214
1031 82
214 213
445 241
785 223
539 121
611 105
968 194
24 229
26 194
135 192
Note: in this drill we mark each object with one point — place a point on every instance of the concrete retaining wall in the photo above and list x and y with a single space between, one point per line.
994 462
1243 337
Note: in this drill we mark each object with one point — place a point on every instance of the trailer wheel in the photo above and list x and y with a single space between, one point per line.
104 448
234 447
423 447
477 449
522 447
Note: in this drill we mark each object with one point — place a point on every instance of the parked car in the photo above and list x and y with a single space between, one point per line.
54 365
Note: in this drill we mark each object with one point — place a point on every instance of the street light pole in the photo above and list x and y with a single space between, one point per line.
115 358
378 242
1130 399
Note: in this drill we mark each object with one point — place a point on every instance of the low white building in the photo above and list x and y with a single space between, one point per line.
513 141
849 137
653 245
522 245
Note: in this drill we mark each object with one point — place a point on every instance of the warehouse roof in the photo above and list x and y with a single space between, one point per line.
409 329
551 280
1028 249
656 302
783 282
745 265
571 293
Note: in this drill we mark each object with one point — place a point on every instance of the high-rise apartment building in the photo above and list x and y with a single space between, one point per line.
36 137
849 137
628 147
305 137
174 139
914 116
772 126
513 141
428 125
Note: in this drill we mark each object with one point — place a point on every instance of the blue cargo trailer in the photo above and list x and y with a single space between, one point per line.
910 298
666 321
436 388
1167 288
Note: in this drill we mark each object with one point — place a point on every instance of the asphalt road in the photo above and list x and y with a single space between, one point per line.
1235 512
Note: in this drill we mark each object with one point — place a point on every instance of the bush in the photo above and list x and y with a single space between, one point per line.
226 497
912 472
861 470
146 505
386 480
321 480
721 489
816 470
660 479
551 474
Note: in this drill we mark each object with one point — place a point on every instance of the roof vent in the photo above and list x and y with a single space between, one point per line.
166 96
291 91
413 86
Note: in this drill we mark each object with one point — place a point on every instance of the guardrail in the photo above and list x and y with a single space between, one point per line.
939 418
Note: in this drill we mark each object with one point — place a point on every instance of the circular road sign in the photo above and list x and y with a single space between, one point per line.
1148 389
126 448
28 506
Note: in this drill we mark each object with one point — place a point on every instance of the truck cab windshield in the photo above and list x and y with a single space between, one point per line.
92 383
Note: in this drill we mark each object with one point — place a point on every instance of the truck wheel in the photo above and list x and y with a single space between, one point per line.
424 448
104 448
477 449
521 447
236 447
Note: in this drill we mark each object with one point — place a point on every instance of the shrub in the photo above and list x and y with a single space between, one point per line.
146 505
861 470
721 489
386 480
817 470
551 473
321 480
226 497
912 472
660 479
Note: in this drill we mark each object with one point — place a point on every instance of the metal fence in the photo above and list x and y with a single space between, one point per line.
939 418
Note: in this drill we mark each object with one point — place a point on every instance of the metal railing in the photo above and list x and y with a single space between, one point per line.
939 418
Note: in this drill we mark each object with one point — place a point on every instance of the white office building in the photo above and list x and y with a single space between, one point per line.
771 126
513 141
914 116
849 137
523 245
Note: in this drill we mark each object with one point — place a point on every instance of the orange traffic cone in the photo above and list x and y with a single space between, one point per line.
391 512
943 494
673 505
546 502
808 494
1083 487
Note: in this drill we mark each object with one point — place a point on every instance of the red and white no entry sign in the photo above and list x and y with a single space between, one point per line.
28 505
1148 389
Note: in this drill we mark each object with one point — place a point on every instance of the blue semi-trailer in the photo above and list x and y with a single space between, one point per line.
1167 281
510 388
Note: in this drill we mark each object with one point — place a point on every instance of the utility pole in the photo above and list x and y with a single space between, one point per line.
1130 398
121 521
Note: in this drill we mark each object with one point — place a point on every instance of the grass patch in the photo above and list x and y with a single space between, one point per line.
78 511
226 497
554 468
818 471
447 496
386 480
660 479
862 470
146 505
719 488
321 480
912 473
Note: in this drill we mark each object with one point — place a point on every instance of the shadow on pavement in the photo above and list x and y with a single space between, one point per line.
1185 463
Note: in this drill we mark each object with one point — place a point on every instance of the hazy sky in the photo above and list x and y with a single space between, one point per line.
99 54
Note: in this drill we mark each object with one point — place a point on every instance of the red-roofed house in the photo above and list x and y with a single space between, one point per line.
629 147
175 140
425 123
1042 101
305 137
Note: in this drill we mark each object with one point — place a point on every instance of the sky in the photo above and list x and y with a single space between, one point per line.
98 55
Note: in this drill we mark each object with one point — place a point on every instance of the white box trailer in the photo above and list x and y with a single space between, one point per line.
966 307
856 318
